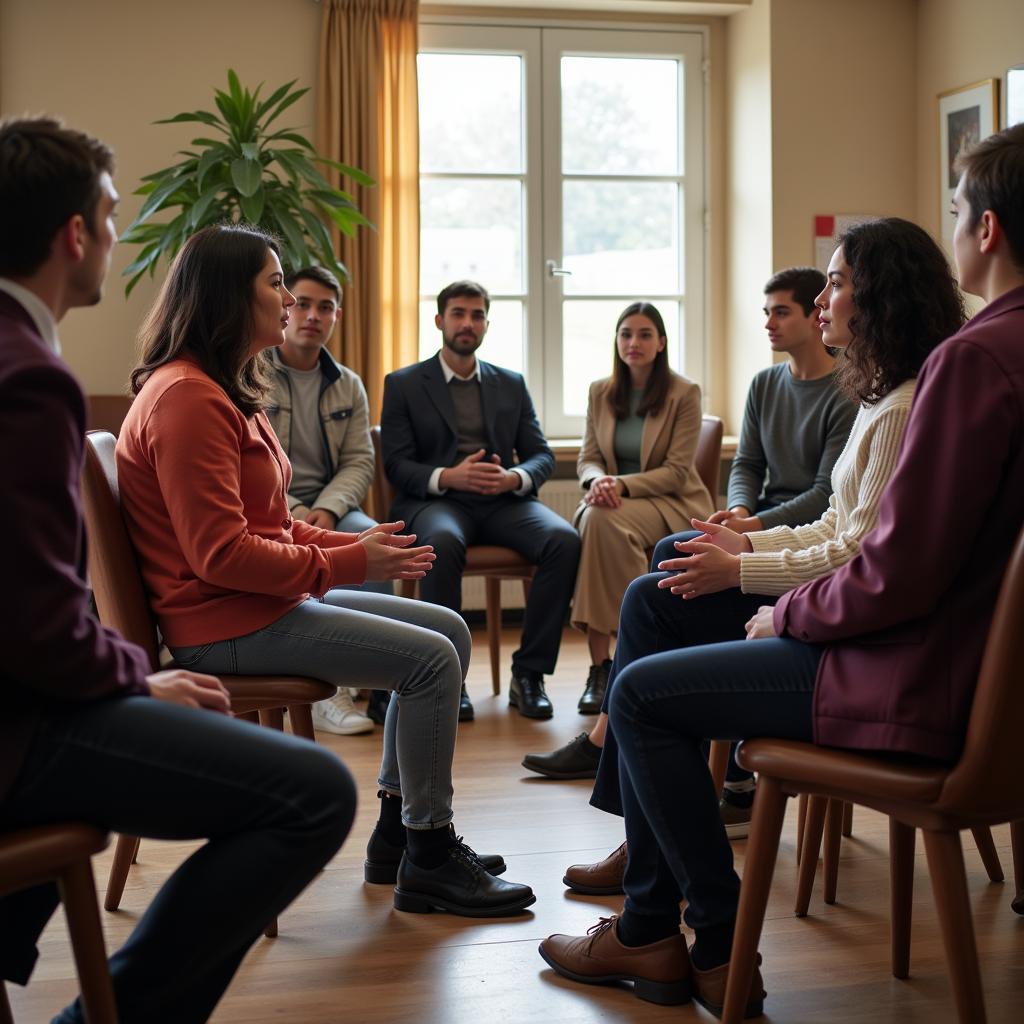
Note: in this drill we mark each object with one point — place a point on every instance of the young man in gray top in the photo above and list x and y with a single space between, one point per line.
320 413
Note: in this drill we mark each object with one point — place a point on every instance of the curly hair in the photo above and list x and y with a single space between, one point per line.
204 310
906 302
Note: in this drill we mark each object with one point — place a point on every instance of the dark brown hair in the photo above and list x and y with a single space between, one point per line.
462 289
656 390
905 303
48 173
319 275
995 181
804 282
205 311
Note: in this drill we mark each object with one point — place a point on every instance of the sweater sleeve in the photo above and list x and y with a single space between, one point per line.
832 545
196 460
53 645
749 465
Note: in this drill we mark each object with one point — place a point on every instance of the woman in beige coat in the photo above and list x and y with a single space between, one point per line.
636 468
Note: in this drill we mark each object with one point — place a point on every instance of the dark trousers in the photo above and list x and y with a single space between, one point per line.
664 706
530 528
273 808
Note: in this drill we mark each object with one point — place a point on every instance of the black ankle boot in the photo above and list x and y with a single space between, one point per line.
593 693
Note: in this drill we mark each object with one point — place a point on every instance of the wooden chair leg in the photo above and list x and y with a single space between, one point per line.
493 590
272 718
901 894
801 820
302 721
718 763
271 930
135 852
953 906
758 868
1017 845
813 828
78 893
833 837
124 856
6 1017
408 589
848 820
249 716
987 849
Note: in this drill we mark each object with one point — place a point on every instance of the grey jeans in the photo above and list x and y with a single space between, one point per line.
352 638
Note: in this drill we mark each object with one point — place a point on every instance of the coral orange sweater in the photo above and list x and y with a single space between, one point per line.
204 492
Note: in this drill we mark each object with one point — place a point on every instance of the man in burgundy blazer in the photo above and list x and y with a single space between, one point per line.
87 732
881 655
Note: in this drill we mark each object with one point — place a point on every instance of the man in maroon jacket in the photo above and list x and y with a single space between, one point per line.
88 733
881 655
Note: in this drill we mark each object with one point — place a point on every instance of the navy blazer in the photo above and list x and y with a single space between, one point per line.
418 431
905 621
56 654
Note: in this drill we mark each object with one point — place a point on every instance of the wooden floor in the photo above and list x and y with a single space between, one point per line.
345 955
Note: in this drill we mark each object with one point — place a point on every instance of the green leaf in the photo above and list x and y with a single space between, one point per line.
236 88
332 197
201 205
252 206
361 177
196 115
285 104
227 108
274 97
292 136
246 175
209 160
310 173
250 150
157 198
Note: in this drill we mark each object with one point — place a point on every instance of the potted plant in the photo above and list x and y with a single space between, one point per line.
252 171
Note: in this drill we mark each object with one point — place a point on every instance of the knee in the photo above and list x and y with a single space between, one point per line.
638 597
564 543
329 791
449 547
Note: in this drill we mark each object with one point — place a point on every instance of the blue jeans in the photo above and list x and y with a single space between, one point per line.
418 650
272 808
663 708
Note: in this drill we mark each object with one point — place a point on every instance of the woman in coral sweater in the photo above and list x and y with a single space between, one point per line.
230 573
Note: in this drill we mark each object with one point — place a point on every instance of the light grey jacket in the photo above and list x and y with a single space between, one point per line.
344 426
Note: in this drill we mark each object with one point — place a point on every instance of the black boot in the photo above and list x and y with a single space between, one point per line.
578 759
593 693
377 705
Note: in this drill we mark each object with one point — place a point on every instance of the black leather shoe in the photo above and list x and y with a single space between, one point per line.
383 858
593 693
377 705
578 759
466 712
460 886
526 693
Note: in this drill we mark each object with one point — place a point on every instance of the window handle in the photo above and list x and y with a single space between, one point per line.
554 270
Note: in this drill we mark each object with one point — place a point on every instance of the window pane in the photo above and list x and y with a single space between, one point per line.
621 237
471 112
503 344
588 341
620 115
471 229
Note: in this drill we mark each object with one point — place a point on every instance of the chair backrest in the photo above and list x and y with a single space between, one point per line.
113 569
382 491
708 460
987 777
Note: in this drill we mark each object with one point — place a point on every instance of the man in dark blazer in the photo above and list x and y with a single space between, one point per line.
882 654
88 732
452 430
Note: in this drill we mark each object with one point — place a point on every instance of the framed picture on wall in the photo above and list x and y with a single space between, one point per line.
1013 97
966 116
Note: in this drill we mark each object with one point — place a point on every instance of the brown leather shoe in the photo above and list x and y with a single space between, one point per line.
709 990
601 879
660 971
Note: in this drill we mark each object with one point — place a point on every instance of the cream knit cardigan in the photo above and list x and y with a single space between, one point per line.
785 557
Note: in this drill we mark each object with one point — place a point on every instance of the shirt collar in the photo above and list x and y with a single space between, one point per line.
449 373
36 309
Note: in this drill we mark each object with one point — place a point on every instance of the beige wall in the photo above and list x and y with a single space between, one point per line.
112 67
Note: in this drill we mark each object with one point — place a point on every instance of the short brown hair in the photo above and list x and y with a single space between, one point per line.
994 171
320 275
805 283
48 173
463 289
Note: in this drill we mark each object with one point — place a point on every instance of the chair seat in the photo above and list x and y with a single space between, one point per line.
484 559
33 855
253 690
872 776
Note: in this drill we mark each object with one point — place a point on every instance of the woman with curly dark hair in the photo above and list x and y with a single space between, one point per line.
890 299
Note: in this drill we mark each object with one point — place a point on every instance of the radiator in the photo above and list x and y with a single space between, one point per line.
562 496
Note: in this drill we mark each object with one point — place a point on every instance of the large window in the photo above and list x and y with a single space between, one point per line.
564 171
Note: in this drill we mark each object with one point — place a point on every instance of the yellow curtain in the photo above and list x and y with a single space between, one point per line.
367 116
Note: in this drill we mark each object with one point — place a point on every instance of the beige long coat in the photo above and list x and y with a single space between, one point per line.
662 498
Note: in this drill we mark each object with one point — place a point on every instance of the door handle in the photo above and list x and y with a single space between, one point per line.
554 270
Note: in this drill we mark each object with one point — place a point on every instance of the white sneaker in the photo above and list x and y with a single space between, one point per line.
339 715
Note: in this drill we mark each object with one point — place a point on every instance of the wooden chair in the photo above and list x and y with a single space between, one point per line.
122 604
981 789
491 561
62 853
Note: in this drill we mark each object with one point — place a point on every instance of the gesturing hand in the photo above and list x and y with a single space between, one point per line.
390 557
605 491
762 624
321 517
189 689
738 519
479 475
